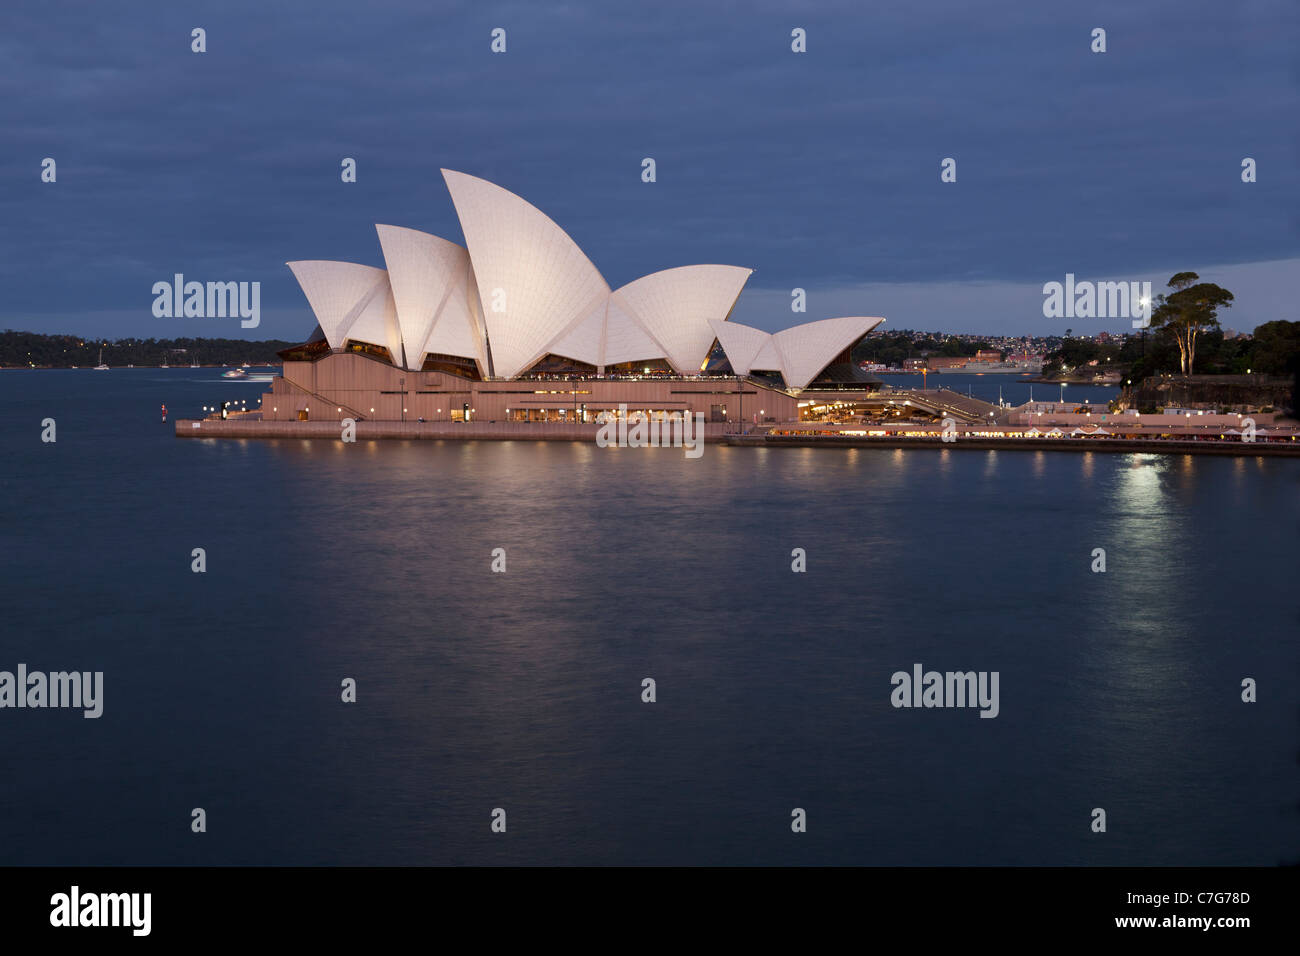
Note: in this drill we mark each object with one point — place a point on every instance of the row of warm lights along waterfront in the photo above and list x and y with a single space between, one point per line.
880 419
930 431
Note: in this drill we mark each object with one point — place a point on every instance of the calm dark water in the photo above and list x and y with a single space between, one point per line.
522 690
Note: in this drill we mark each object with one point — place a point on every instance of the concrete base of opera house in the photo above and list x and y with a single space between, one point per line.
358 386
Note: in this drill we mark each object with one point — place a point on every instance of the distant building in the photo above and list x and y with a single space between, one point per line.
988 355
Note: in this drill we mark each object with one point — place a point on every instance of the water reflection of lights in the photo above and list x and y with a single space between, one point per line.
1140 486
1145 658
945 462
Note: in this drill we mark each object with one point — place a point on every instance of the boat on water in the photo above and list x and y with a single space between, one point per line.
101 367
235 373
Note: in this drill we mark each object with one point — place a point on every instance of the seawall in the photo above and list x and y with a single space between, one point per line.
524 431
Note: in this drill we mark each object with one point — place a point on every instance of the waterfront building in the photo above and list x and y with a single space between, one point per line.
519 325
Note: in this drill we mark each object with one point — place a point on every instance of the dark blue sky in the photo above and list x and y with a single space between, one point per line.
818 170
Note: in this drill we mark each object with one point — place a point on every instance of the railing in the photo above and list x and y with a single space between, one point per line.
327 401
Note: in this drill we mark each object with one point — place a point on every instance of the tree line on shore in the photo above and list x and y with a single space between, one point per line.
892 348
1184 337
1273 349
37 350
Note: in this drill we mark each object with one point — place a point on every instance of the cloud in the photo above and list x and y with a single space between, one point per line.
818 170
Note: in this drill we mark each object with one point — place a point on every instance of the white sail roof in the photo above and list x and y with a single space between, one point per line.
769 358
585 342
610 335
350 300
741 343
799 353
807 349
674 307
534 282
430 278
376 323
626 339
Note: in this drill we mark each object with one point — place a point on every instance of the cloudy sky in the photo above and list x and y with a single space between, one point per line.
818 170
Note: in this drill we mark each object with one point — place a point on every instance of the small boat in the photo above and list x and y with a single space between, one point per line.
235 373
101 367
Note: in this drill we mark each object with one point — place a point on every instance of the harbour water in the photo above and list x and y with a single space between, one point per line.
523 690
1012 389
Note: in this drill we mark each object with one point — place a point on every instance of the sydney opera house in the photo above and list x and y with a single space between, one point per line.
519 325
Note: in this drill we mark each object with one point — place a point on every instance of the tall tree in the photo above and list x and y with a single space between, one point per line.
1276 347
1189 309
